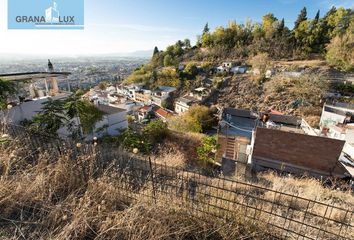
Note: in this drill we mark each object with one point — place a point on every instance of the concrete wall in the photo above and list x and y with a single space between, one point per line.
181 108
298 153
26 110
333 114
329 119
110 124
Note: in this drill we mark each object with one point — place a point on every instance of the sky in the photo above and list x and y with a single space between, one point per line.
119 26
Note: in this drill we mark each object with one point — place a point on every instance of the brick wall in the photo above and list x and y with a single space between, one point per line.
312 152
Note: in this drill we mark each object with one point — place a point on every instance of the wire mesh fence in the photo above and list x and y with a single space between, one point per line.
292 216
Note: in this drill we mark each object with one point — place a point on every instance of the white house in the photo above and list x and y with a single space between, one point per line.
113 122
143 113
337 113
161 94
128 91
27 110
184 103
343 132
143 95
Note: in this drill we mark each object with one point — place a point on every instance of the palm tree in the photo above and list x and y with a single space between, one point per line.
86 114
51 118
80 116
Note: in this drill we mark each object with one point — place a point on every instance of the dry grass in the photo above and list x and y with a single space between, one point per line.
179 149
309 188
302 63
76 197
43 197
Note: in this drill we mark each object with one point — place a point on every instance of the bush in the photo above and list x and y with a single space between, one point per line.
184 123
207 151
261 62
155 131
152 134
345 89
130 139
202 115
197 119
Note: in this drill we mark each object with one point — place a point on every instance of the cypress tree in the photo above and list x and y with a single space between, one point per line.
156 51
302 17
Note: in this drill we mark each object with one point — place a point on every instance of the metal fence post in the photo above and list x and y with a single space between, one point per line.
152 181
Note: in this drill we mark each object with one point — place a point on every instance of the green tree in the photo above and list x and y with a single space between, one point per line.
185 123
207 151
206 28
317 17
187 43
168 60
196 119
7 88
281 27
191 69
155 131
202 115
340 51
261 62
268 24
102 85
86 113
130 139
206 40
301 17
156 51
51 117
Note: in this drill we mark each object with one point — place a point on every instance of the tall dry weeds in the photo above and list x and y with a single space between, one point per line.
69 197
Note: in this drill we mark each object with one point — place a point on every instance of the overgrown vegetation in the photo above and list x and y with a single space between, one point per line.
266 46
7 88
340 51
207 151
330 36
144 140
77 196
79 116
48 197
196 119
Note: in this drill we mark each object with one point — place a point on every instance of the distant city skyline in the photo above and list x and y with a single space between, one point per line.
122 26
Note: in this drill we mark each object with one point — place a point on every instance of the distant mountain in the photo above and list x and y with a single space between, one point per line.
18 57
141 53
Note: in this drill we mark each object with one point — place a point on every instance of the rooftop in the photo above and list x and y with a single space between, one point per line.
341 105
145 109
162 113
108 110
26 76
242 122
187 99
166 88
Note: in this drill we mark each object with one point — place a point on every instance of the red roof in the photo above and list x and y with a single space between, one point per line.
162 113
145 108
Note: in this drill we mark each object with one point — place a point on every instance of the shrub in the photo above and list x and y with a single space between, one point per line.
207 151
130 139
155 131
197 119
